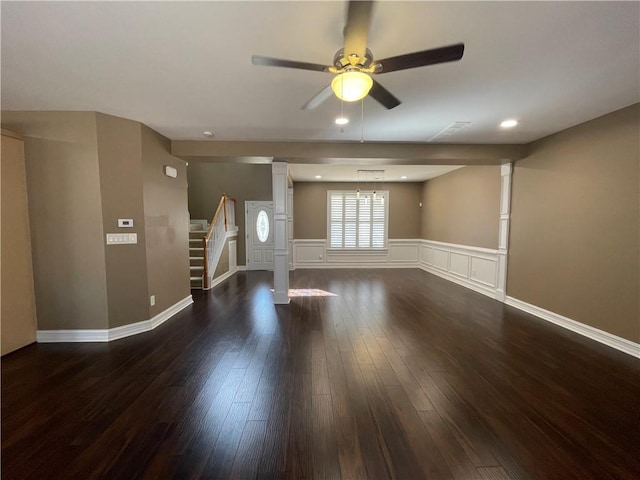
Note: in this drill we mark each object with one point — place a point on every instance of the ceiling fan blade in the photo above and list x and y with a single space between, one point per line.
318 98
275 62
357 28
384 96
449 53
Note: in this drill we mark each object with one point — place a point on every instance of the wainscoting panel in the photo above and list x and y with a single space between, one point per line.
313 253
440 259
308 252
484 270
472 267
403 252
459 264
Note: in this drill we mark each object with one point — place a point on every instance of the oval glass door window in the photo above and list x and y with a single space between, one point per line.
262 226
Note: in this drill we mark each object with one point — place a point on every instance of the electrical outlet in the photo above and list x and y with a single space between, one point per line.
152 300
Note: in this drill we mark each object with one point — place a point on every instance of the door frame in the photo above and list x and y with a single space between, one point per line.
249 228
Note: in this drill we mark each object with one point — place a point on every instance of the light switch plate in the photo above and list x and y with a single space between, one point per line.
125 222
121 238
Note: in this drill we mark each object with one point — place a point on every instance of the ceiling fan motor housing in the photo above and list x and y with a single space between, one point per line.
341 61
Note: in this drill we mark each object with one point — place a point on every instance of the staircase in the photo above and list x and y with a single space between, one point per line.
197 231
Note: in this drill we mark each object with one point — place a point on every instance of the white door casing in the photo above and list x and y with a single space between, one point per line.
259 235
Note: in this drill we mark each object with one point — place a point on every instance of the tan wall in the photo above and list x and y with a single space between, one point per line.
244 182
166 223
18 309
463 207
66 217
121 191
310 208
574 235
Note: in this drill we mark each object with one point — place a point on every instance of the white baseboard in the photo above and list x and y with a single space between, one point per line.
613 341
242 268
221 278
110 334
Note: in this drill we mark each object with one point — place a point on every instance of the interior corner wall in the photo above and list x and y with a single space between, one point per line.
65 211
166 223
463 207
119 156
244 182
310 208
18 309
575 222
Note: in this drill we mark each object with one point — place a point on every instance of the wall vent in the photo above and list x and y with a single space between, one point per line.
447 132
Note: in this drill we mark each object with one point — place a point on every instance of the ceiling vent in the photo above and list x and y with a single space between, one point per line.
443 135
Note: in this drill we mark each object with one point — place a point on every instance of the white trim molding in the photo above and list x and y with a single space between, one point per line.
110 334
472 267
506 173
279 174
218 280
606 338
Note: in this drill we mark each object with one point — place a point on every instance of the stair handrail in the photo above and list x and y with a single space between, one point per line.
213 241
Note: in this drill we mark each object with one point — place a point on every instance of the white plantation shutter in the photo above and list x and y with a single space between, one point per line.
358 222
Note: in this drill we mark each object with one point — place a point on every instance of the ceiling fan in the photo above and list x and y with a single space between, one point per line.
353 64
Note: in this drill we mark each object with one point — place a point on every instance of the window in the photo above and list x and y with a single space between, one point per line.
262 226
357 221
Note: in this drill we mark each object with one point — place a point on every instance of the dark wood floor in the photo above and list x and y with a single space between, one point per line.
394 374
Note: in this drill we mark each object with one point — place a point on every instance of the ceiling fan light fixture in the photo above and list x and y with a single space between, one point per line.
342 121
351 86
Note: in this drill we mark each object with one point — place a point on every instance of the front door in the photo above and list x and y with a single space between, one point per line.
259 228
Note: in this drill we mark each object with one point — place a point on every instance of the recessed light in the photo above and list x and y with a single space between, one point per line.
509 123
318 176
342 121
403 177
207 133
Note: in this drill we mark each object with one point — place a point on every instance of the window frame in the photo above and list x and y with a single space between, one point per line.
385 247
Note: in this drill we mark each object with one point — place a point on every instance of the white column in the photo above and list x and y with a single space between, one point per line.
280 234
290 225
503 230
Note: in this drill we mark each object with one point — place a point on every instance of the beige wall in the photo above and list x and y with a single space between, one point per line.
463 207
121 192
310 208
84 171
166 223
17 308
65 212
574 235
244 182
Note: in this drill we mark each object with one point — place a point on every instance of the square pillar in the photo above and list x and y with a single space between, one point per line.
279 172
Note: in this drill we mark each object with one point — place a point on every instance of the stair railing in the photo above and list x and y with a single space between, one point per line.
224 220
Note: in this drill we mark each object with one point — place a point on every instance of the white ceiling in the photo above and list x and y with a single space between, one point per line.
349 173
184 67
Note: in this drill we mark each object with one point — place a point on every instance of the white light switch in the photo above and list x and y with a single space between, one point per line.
125 222
121 238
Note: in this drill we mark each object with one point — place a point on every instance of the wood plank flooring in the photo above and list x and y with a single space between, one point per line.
392 374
